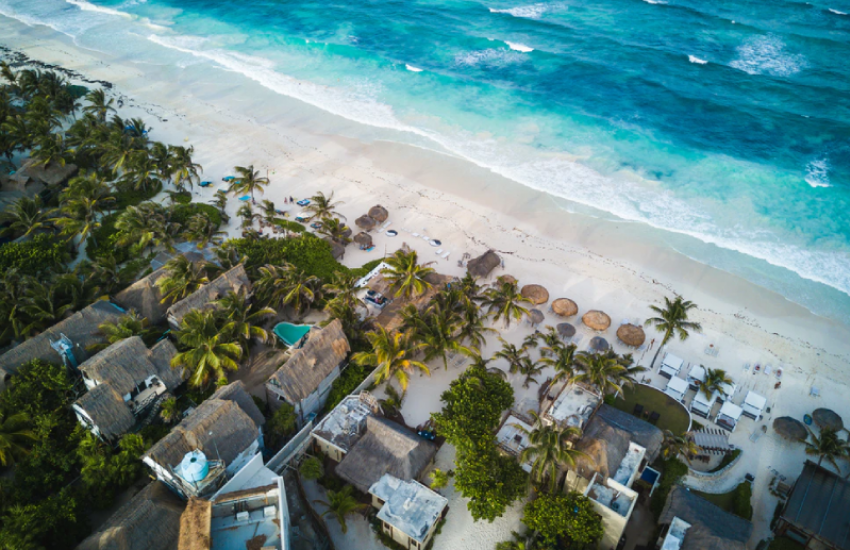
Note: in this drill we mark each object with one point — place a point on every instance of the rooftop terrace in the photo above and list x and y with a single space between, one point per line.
628 466
619 501
408 506
513 436
676 534
346 424
573 406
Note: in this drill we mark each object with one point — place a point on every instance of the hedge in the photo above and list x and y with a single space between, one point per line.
308 253
42 253
132 197
672 470
182 212
295 227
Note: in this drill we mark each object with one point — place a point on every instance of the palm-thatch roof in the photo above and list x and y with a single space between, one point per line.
598 343
301 375
148 521
536 293
144 297
564 307
363 239
387 448
107 410
536 316
597 320
232 417
829 419
566 330
818 507
481 266
790 428
234 280
337 249
631 335
195 525
52 174
379 213
711 527
80 328
606 441
365 223
502 279
127 363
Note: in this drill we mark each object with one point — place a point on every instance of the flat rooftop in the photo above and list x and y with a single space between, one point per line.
629 464
408 506
617 501
573 406
511 437
346 424
258 531
676 534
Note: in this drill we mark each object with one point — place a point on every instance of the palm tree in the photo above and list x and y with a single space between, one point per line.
530 370
322 206
527 541
341 504
220 201
247 214
678 445
161 160
672 319
181 166
42 305
182 278
201 229
343 286
99 105
104 275
23 216
392 354
505 302
405 275
715 380
79 217
436 331
142 172
128 325
15 437
472 327
601 371
242 323
248 181
169 411
144 225
288 286
550 448
561 358
828 446
50 150
513 355
207 352
335 230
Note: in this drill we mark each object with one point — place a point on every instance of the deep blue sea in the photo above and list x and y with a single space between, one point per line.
727 121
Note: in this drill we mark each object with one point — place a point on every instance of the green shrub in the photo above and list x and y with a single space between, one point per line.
181 198
311 468
350 378
35 256
182 212
308 253
742 502
295 227
672 470
132 197
727 460
366 268
103 241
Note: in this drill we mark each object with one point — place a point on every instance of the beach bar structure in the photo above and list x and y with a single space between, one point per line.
671 365
408 511
728 416
753 405
676 388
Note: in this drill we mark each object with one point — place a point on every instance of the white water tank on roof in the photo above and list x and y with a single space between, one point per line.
194 466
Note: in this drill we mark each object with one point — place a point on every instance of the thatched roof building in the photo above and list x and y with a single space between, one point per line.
337 249
236 279
606 441
711 528
631 335
818 509
195 525
536 293
50 175
80 328
827 418
144 297
365 223
387 448
379 213
148 521
481 266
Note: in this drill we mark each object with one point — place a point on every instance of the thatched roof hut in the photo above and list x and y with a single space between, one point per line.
790 428
829 419
564 307
50 175
308 367
536 293
566 330
482 265
387 448
144 297
195 525
107 411
631 335
128 363
711 528
597 320
337 249
365 223
235 279
378 213
363 239
80 328
598 343
148 521
502 279
536 316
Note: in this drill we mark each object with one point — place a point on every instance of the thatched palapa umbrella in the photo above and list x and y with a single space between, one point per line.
536 293
363 239
507 279
379 213
829 419
482 265
347 232
564 307
597 320
365 223
566 330
790 428
631 335
536 316
598 343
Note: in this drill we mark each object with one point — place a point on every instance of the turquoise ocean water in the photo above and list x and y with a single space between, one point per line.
725 124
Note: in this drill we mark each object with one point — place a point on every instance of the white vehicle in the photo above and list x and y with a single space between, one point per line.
702 405
671 365
753 405
676 388
696 376
728 416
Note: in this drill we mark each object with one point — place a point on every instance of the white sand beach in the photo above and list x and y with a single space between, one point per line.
612 266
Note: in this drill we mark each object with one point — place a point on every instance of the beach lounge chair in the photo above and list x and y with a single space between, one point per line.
206 183
638 410
439 251
814 392
414 234
767 369
446 255
654 418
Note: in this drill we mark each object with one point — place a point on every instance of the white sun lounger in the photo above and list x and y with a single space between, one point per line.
415 234
439 251
446 255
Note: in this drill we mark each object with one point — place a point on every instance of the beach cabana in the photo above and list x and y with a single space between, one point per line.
482 265
598 344
671 365
536 293
728 416
365 223
566 330
507 279
596 320
564 307
631 335
676 388
753 405
790 428
701 403
829 419
378 213
696 376
536 316
363 239
727 391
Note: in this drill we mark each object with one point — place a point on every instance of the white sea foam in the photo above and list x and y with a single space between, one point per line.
489 57
88 6
519 47
836 12
817 173
533 11
412 68
697 60
767 55
654 2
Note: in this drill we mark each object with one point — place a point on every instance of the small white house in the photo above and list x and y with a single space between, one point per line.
408 511
671 365
753 405
676 388
728 416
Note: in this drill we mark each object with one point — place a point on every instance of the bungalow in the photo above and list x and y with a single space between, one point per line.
341 428
149 520
753 405
817 513
144 297
305 380
676 388
689 522
211 444
728 416
124 381
235 279
65 342
409 512
670 365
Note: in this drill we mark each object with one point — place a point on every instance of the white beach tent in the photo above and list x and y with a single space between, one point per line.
676 388
753 405
701 404
728 416
671 365
696 376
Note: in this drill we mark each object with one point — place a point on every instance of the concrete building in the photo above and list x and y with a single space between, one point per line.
573 406
409 512
341 428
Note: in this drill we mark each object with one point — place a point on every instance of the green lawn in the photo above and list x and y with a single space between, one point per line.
737 501
674 417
